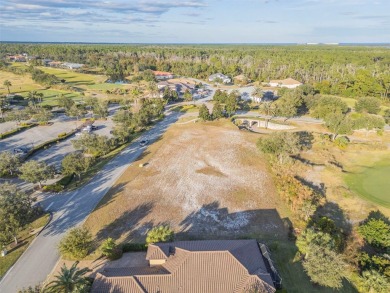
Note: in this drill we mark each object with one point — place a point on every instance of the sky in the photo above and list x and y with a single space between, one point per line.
196 21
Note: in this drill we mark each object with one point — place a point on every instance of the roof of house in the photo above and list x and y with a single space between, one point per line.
163 73
287 81
193 266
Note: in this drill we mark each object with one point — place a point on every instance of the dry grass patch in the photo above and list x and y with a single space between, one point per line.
206 180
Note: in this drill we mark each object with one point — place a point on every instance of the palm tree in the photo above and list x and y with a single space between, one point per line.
7 83
35 97
69 280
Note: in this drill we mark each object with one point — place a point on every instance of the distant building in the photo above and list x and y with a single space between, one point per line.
223 77
17 58
162 84
72 65
288 83
162 75
214 266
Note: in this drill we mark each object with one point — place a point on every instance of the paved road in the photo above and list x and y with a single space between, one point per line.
70 210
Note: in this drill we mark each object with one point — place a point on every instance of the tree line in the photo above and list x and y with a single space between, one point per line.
347 71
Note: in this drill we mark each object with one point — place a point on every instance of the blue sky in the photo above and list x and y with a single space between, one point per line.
195 21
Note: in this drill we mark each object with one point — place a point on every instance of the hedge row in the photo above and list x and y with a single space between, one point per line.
133 247
17 130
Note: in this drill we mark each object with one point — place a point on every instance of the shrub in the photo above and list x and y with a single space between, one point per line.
110 249
62 134
76 244
376 232
132 247
368 104
342 142
53 187
160 234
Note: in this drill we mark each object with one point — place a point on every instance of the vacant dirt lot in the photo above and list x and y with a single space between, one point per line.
206 180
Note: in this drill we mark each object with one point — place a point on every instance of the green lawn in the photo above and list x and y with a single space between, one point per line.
25 238
74 78
104 86
371 182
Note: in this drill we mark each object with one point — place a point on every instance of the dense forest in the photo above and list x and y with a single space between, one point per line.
340 70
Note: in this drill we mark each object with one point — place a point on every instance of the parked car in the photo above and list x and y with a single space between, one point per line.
143 142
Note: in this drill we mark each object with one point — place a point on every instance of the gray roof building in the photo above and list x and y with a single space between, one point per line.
212 266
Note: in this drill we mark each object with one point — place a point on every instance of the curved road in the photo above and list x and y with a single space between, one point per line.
70 210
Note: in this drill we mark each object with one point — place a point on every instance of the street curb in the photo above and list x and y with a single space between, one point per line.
47 223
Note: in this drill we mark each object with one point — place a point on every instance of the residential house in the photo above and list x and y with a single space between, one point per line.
162 75
207 266
54 64
223 77
288 83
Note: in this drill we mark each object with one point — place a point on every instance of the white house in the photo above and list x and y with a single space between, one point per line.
288 83
223 77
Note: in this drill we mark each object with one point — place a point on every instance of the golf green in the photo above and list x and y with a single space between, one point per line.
372 183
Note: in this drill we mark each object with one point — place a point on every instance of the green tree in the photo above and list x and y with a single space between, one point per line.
288 105
310 236
324 266
338 123
7 84
9 163
369 105
280 145
36 172
16 210
65 102
386 116
187 96
160 234
217 111
101 109
75 163
3 105
110 249
76 111
70 280
231 104
204 113
76 244
327 105
42 115
94 144
376 232
374 282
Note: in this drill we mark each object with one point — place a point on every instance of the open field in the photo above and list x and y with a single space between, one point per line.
21 84
206 181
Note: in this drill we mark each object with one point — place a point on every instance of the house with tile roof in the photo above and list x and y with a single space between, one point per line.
288 83
209 266
162 75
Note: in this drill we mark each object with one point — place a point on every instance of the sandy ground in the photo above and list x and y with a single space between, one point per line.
206 180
